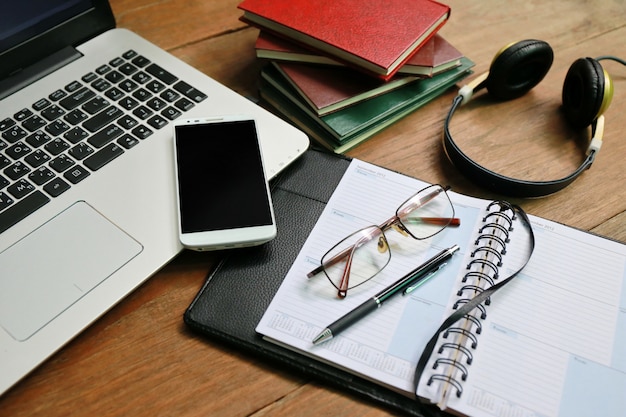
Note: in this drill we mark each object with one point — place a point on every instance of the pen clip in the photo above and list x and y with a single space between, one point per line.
420 281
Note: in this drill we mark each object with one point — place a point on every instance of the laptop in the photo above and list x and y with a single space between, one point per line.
87 209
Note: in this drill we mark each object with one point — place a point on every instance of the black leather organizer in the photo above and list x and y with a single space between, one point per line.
237 292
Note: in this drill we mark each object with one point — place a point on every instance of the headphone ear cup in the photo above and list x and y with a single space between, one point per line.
583 95
518 68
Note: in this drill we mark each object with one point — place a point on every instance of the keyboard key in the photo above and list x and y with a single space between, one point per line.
3 183
142 94
161 74
103 118
189 91
81 151
116 62
169 95
155 86
56 147
77 98
73 86
41 175
103 69
114 76
4 161
13 134
61 163
103 156
184 104
171 113
142 132
141 77
89 77
21 209
156 104
57 95
105 136
3 145
101 85
130 54
75 135
128 69
34 123
5 200
76 174
128 103
142 112
157 122
38 138
114 93
128 85
6 123
41 104
52 112
56 187
22 115
20 189
128 141
18 150
75 117
16 170
57 127
127 122
94 105
140 61
37 158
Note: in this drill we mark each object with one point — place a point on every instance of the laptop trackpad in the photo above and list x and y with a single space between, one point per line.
53 267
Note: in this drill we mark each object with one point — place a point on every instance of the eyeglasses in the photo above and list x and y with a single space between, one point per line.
360 256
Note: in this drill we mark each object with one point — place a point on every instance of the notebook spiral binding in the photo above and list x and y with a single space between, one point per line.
487 257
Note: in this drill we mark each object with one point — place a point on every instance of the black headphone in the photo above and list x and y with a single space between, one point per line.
587 93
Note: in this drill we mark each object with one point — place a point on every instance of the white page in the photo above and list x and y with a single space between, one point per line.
555 338
385 345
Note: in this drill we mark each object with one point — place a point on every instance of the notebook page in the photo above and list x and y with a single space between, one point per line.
554 342
385 345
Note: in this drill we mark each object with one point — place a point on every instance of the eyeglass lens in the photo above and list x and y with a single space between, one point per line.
362 255
356 259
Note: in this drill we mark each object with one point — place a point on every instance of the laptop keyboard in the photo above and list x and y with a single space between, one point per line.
76 130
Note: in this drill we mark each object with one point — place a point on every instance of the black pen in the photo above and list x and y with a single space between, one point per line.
410 280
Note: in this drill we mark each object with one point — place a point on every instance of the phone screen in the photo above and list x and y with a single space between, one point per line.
221 181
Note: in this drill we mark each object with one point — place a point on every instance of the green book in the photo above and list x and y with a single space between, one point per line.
344 129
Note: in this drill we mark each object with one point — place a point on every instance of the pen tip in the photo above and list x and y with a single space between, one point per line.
322 337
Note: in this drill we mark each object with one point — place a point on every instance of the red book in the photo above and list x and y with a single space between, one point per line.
377 36
435 56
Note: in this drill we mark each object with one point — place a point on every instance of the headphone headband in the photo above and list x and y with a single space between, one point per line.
515 70
500 183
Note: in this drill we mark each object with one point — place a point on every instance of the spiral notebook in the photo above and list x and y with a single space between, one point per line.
552 342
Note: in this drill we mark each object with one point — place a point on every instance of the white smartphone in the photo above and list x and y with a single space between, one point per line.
222 190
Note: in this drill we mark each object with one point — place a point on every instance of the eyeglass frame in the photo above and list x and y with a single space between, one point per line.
393 222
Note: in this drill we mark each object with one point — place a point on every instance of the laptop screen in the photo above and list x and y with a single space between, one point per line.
21 20
33 29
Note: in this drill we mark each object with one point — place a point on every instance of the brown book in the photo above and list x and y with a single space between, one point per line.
327 89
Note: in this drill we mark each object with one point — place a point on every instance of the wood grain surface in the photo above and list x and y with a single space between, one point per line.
139 359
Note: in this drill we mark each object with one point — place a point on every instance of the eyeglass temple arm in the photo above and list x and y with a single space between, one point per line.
332 261
345 276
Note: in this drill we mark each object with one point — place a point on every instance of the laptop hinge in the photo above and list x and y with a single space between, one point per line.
30 74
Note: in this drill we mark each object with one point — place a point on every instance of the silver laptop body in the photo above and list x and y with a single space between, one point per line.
113 222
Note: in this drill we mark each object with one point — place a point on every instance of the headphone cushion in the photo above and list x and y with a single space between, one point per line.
519 68
583 92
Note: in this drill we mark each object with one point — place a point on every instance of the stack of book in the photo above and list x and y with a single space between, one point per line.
342 70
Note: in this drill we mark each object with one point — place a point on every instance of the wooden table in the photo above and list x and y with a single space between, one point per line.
140 359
